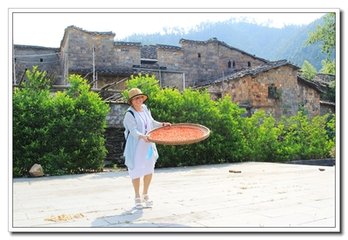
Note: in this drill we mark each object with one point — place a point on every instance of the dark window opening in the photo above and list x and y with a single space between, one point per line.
41 59
229 64
249 64
272 92
233 63
218 95
199 55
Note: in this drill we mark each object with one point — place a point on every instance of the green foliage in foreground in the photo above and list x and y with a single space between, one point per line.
234 138
63 132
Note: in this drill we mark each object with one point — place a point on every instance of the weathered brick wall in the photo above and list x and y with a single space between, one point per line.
174 80
170 57
114 139
114 132
253 92
206 60
126 54
240 60
79 49
309 99
108 54
285 80
116 114
326 107
200 62
47 59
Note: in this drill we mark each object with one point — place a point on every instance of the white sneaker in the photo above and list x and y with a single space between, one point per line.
147 201
138 204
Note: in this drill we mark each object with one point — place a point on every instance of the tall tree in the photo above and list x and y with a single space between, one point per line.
326 35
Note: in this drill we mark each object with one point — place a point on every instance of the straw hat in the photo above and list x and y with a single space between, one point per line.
135 92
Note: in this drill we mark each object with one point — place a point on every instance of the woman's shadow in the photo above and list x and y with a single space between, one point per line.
129 219
125 219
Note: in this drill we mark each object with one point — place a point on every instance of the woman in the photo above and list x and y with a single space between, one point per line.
140 154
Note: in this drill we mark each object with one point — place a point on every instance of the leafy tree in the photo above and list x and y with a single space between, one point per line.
326 35
308 71
328 67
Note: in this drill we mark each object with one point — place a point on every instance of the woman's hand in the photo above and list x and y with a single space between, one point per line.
165 124
144 137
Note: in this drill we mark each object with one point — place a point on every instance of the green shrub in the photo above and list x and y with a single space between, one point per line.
31 115
261 133
234 138
222 117
64 132
304 138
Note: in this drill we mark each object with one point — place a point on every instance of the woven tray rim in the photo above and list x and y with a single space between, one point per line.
204 129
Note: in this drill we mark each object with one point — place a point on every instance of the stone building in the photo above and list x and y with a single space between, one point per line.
274 87
97 57
47 59
251 81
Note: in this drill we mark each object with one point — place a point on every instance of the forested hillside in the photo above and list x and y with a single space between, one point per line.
265 42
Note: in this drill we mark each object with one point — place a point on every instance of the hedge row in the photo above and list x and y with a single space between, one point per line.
234 138
64 132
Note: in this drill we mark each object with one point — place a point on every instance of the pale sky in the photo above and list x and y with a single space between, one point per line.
43 28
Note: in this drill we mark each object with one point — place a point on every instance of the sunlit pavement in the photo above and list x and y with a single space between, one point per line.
239 197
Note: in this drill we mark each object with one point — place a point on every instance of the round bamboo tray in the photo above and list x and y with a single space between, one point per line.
179 134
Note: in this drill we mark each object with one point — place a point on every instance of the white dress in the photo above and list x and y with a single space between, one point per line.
145 154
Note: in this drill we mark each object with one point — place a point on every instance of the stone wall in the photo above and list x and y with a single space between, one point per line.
172 79
114 139
125 54
79 50
114 133
171 57
253 92
327 108
205 61
309 99
82 46
47 59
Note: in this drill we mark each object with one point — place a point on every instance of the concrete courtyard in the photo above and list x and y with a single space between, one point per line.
242 197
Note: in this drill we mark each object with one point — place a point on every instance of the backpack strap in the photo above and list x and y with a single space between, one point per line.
131 112
125 140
